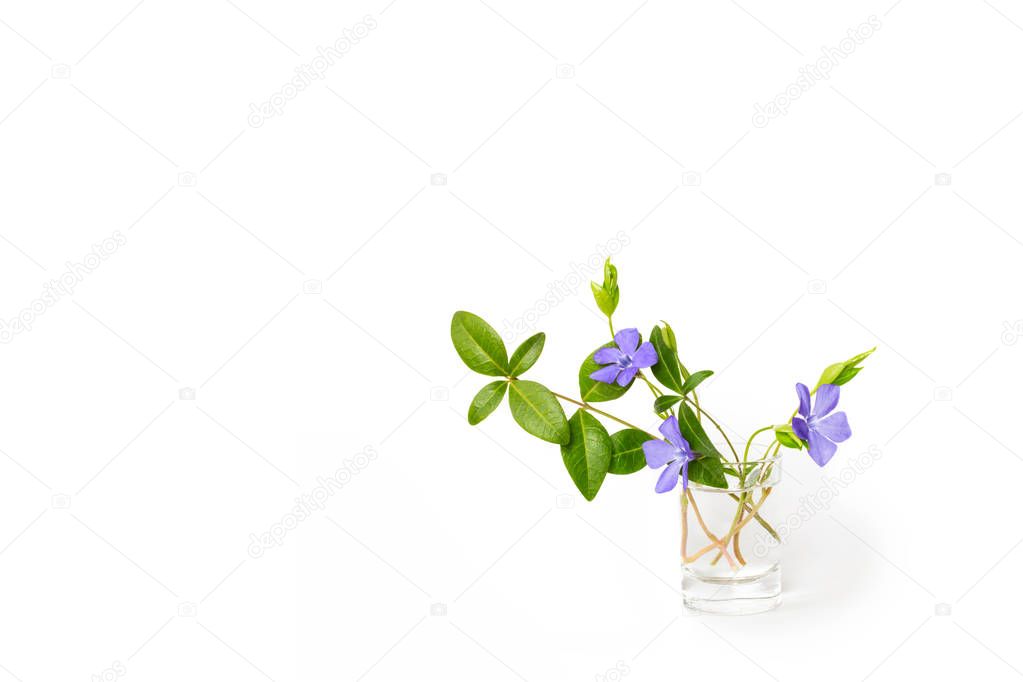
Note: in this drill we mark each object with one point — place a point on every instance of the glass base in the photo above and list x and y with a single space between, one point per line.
731 595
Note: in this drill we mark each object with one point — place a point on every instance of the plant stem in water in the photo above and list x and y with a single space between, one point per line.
715 541
766 526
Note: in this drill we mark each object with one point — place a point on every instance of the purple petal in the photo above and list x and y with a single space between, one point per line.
645 356
804 399
827 400
669 429
821 449
658 453
627 340
669 477
801 429
606 374
685 473
627 375
834 427
607 356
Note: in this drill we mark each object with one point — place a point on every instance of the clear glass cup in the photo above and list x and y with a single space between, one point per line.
731 554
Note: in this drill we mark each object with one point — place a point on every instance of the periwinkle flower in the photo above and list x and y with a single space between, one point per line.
674 455
625 361
819 428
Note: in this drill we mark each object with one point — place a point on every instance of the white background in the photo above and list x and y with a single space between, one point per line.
773 251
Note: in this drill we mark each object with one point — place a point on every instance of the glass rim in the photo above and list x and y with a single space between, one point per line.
733 483
772 459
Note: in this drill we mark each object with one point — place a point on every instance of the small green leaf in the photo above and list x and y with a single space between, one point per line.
526 355
847 374
627 451
694 380
667 368
611 278
855 360
787 437
606 294
597 391
706 470
479 345
669 336
486 401
587 454
606 302
830 373
852 367
842 372
663 403
537 411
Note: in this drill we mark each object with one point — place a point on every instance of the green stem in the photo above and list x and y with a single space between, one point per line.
745 454
591 408
717 426
696 398
767 455
656 391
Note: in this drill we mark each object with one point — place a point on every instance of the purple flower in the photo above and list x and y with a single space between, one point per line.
819 428
622 363
674 455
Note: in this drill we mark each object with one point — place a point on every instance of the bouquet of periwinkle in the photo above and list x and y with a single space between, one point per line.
684 451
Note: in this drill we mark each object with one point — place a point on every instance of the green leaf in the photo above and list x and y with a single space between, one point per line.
694 380
663 403
486 401
787 437
607 302
478 344
526 355
597 391
667 368
587 454
693 432
627 451
706 470
537 411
